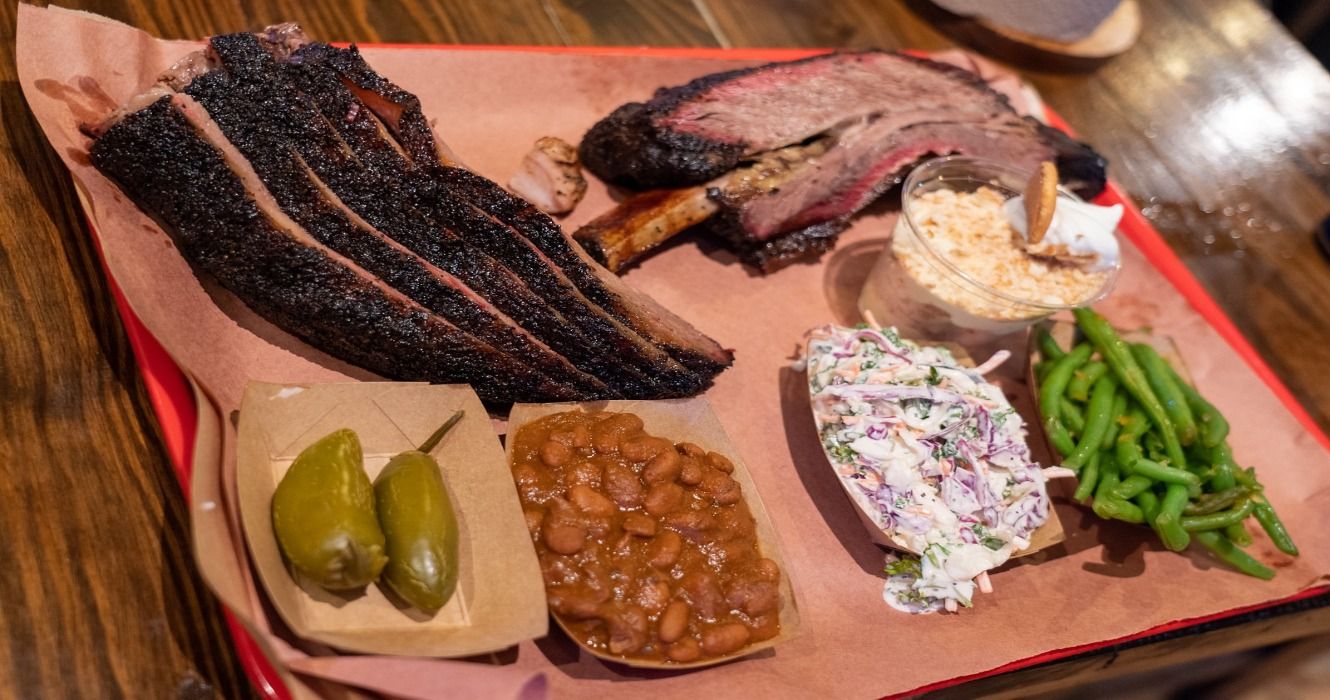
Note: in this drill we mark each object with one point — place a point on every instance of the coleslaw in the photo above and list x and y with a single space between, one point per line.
933 453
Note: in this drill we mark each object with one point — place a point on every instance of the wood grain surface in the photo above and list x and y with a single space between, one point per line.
1213 123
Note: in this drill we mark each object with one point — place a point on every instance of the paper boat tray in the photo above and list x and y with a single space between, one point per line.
685 420
1045 536
500 600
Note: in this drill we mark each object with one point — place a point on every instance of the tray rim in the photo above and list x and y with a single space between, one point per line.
173 402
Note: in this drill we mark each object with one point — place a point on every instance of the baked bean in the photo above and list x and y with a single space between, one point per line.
558 570
644 447
627 626
533 482
639 525
623 486
663 467
605 441
724 639
581 436
624 545
555 454
533 518
752 597
691 450
564 537
764 627
690 472
722 489
625 424
653 595
704 593
571 605
664 550
673 622
563 437
591 501
720 461
684 650
663 498
691 524
732 551
583 472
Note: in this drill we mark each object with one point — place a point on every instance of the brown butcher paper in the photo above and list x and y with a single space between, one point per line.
1106 581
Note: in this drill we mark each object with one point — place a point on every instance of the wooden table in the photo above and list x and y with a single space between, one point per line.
1214 123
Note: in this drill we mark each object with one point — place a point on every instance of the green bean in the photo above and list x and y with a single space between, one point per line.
1216 501
1247 477
1041 369
1210 422
1160 377
1089 477
1221 457
1115 426
1108 479
1237 532
1149 505
1048 347
1168 475
1072 416
1084 378
1228 553
1050 396
1167 522
1274 527
1118 509
1097 417
1132 486
1119 358
1128 448
1154 447
1217 521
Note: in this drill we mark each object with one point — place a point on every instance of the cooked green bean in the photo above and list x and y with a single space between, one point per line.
1089 477
1217 521
1226 551
1149 505
1168 475
1221 458
1108 479
1072 416
1237 533
1041 369
1048 347
1132 486
1167 522
1274 527
1210 422
1128 448
1050 397
1247 477
1084 378
1216 501
1118 509
1119 358
1115 425
1098 415
1160 377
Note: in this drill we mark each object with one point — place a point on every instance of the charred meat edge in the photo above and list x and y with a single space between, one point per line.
169 158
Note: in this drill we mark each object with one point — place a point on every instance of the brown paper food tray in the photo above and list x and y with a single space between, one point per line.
1045 536
500 600
684 420
1064 332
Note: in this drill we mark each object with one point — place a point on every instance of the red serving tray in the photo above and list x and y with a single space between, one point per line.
173 401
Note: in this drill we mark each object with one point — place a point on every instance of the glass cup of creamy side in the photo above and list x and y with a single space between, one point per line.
952 274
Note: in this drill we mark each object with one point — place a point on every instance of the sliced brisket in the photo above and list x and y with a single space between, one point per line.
174 162
511 230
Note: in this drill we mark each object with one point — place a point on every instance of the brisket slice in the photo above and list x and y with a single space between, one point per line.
692 133
511 230
252 98
174 163
314 206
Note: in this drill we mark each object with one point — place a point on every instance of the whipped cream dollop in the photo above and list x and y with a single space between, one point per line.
1081 232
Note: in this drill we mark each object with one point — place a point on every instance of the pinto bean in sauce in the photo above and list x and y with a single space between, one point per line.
647 547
